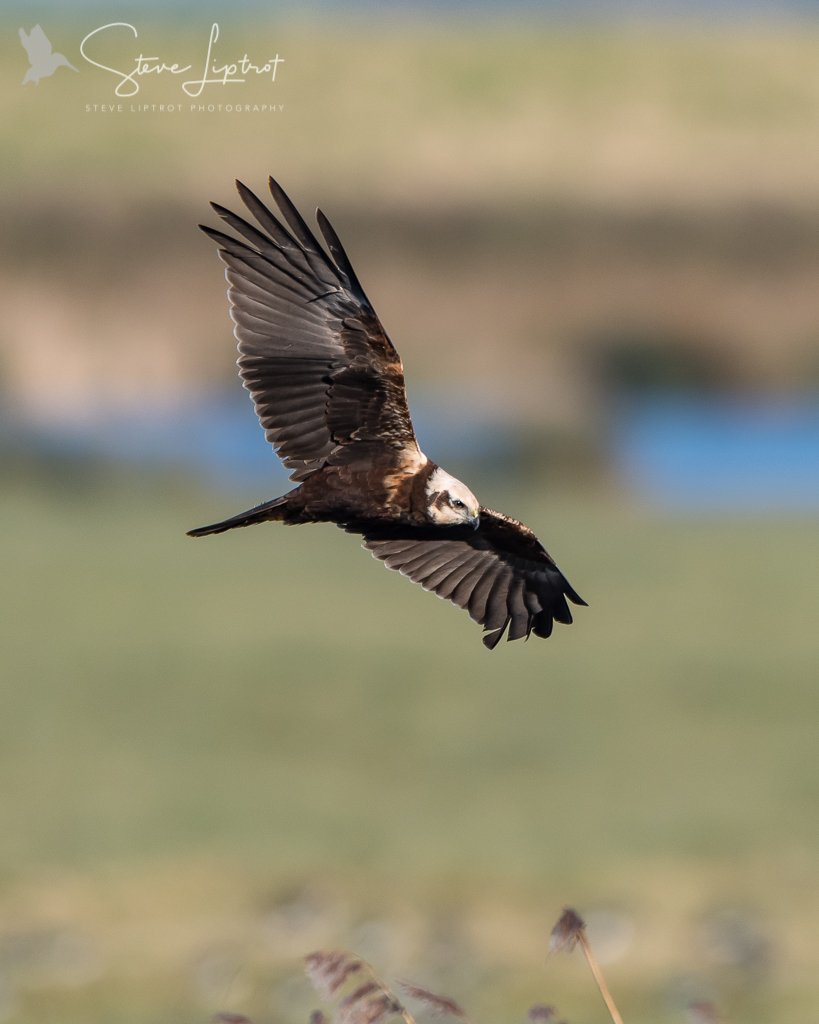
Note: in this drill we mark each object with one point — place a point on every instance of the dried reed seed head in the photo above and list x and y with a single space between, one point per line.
438 1005
370 1009
567 932
329 970
230 1018
361 994
369 1003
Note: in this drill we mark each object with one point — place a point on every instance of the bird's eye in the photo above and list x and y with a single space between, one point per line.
457 503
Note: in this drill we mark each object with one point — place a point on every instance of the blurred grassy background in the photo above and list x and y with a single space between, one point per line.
215 757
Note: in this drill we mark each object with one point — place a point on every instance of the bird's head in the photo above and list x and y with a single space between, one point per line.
450 502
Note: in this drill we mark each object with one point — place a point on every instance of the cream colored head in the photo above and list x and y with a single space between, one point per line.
449 502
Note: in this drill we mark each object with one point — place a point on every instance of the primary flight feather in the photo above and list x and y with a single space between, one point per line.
328 388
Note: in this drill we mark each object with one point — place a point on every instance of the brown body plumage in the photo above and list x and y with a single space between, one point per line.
328 387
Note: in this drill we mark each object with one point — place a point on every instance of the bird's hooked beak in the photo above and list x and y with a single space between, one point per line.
475 521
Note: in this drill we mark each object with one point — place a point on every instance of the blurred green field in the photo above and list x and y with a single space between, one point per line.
217 754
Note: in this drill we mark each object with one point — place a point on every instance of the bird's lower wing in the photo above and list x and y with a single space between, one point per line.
500 573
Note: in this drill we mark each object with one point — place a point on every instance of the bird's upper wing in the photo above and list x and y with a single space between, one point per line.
36 44
323 375
26 41
500 573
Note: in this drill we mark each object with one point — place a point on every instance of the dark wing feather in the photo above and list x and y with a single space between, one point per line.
500 573
322 373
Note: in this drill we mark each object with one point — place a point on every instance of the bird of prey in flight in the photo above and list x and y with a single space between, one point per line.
328 388
43 60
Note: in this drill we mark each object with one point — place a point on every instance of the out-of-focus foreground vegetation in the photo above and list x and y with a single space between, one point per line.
216 756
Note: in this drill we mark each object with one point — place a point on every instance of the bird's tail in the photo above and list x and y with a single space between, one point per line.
266 512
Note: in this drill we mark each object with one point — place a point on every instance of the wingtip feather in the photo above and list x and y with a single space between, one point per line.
246 194
491 640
